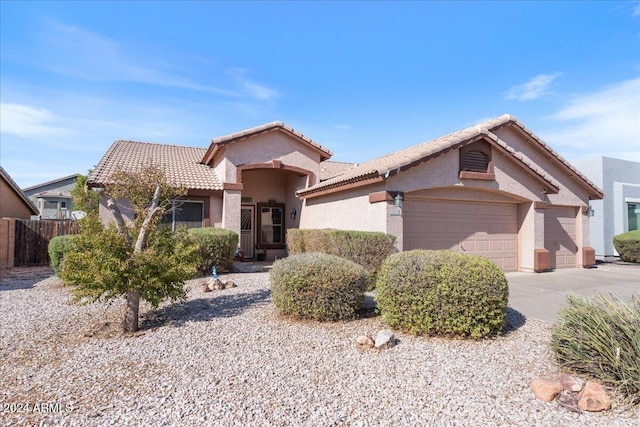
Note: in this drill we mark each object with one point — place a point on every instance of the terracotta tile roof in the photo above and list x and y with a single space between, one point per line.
219 142
11 183
329 169
400 160
182 164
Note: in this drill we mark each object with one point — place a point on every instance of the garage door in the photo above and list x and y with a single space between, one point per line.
560 236
490 230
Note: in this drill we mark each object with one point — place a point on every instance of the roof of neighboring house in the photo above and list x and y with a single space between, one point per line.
64 178
181 164
53 193
406 158
5 176
218 143
329 168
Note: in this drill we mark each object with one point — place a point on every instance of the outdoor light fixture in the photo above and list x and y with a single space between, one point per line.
293 213
589 211
398 199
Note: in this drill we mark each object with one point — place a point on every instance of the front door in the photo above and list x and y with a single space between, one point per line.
246 231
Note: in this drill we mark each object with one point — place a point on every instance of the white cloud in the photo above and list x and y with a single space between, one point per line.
251 88
83 54
533 89
605 122
28 122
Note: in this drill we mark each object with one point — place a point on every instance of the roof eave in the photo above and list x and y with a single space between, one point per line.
595 193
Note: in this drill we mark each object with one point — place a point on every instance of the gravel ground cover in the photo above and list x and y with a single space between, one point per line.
226 359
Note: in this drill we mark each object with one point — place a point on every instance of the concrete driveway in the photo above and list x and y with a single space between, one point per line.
540 295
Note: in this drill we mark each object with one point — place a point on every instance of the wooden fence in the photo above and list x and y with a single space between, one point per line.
32 239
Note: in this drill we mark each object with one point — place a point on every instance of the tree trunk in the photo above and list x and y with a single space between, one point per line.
130 323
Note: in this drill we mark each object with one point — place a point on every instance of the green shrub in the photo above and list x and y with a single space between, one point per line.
217 247
318 286
600 337
366 248
58 248
442 293
628 246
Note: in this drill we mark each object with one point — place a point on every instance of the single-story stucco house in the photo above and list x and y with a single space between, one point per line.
494 189
619 210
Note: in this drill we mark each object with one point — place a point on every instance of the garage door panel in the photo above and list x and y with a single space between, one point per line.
489 230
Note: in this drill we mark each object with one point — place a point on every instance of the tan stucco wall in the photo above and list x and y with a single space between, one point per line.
571 193
11 205
348 210
265 148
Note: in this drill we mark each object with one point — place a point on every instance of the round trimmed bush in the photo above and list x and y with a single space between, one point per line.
318 286
217 246
442 293
628 246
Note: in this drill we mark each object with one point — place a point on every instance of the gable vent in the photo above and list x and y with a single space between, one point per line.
475 161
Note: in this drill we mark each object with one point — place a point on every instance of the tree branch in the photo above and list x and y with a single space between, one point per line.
117 215
142 235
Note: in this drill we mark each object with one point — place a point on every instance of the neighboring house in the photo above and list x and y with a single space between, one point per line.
619 211
53 198
13 202
494 189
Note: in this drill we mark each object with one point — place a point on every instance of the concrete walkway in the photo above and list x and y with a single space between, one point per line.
540 295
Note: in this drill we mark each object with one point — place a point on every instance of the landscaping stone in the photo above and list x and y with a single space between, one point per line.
568 400
229 284
593 398
570 383
546 389
385 339
365 342
215 284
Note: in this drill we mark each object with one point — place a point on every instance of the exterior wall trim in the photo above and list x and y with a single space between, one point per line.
275 164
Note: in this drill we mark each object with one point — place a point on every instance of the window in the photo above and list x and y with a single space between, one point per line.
186 213
633 216
271 225
50 205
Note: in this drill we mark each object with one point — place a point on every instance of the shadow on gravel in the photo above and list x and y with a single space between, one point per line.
202 309
23 278
515 320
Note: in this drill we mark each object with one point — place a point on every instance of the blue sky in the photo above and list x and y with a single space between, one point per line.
361 78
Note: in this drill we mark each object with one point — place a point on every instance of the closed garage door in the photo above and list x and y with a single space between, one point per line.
490 230
560 236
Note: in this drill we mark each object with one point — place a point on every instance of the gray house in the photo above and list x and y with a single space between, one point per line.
53 198
619 210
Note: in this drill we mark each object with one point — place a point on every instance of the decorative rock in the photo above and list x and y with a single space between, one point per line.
593 398
568 400
365 342
204 287
215 284
229 285
570 383
385 339
546 389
